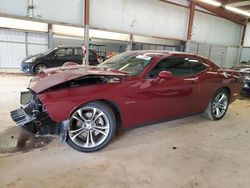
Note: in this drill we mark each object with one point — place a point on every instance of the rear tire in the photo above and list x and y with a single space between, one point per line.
218 106
91 127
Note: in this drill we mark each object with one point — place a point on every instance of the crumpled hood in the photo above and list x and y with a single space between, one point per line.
54 76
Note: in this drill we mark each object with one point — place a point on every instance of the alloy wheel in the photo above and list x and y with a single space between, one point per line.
89 127
220 104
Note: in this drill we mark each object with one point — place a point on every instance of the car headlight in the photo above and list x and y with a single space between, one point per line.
26 97
30 60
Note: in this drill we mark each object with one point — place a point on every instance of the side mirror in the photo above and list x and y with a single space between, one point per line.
166 75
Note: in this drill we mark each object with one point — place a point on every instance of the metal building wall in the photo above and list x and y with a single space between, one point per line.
12 48
16 45
115 46
245 54
143 17
37 43
232 57
209 29
247 36
71 12
223 56
60 41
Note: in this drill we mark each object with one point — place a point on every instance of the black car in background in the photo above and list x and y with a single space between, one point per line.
244 70
56 57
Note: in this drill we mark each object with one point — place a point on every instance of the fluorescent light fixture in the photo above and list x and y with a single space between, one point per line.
211 2
68 30
78 32
23 24
236 10
93 33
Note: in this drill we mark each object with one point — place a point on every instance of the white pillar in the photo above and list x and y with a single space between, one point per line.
86 44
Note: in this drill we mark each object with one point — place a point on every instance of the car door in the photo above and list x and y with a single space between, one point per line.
59 57
92 58
206 83
161 99
78 55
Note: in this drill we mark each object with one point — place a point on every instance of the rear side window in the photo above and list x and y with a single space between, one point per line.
196 66
69 52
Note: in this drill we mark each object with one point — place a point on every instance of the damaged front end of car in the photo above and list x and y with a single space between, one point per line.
36 115
32 116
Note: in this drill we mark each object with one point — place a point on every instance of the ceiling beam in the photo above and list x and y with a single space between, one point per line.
224 2
247 7
222 12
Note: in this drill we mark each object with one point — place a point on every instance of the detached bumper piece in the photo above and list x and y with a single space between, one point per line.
37 125
24 120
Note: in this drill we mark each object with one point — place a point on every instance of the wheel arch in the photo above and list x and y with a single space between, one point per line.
227 89
112 105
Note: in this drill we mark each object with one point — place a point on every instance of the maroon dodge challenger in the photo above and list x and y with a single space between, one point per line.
87 105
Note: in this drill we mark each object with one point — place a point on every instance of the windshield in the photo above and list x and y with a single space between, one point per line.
48 51
127 62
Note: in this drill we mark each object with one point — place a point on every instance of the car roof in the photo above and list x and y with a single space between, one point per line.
160 52
68 46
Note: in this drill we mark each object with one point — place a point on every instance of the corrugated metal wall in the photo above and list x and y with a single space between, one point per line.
232 57
245 54
115 46
16 45
247 36
143 46
223 56
218 55
209 29
71 12
37 43
143 17
12 48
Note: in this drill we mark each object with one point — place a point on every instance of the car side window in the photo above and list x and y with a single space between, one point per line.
78 51
69 52
196 66
60 52
177 66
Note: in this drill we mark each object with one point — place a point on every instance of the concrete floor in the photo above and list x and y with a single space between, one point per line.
185 153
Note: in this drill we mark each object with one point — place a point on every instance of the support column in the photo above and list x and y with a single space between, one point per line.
50 36
86 44
86 31
26 44
191 20
130 43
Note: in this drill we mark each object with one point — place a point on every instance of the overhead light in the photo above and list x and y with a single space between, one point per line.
236 10
211 2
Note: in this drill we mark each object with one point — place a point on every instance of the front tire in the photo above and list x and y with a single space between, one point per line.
91 127
218 106
39 68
